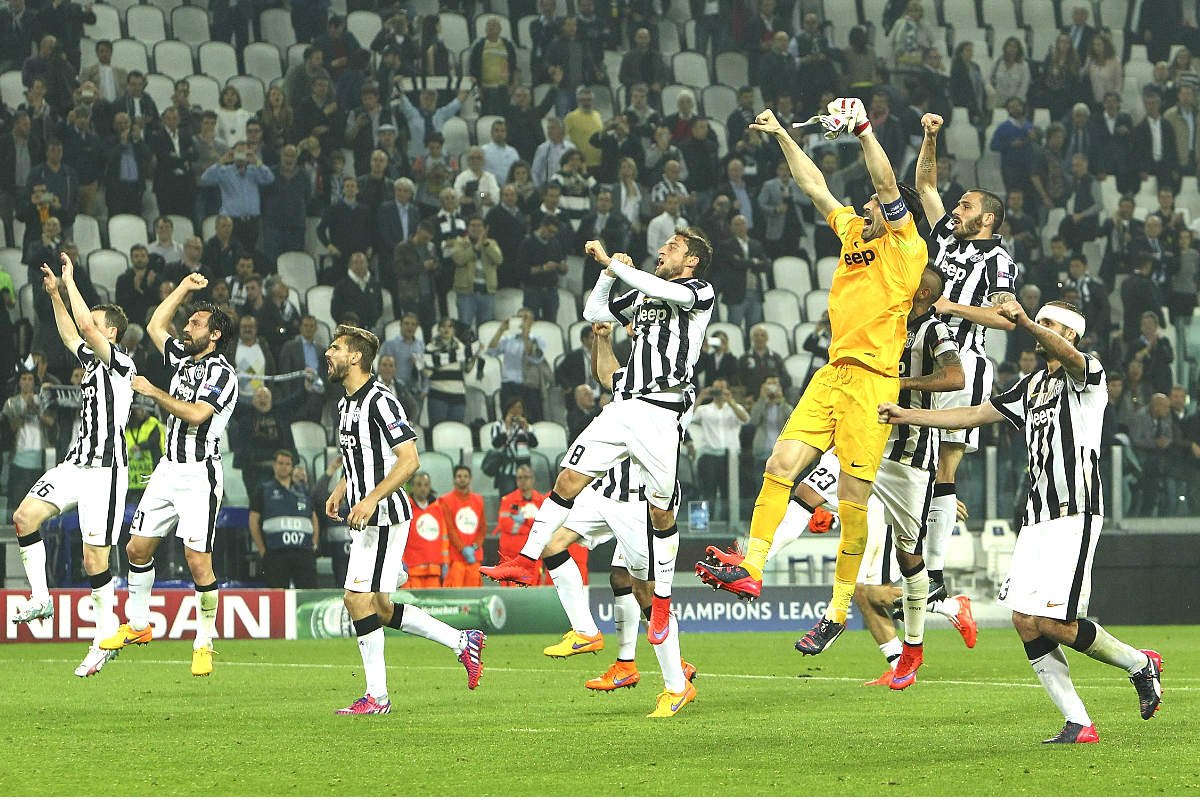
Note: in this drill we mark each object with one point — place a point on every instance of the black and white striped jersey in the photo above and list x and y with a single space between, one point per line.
371 422
667 339
975 269
107 395
211 380
623 484
1062 419
928 339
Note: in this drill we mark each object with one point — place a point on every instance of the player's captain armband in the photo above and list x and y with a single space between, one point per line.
895 210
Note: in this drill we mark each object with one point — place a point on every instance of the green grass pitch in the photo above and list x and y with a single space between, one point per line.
766 722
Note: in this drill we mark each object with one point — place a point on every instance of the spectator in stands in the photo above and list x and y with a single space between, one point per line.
967 87
106 76
435 56
1093 295
575 187
222 250
1155 352
768 414
318 114
523 120
1119 232
1010 76
1140 294
716 361
426 118
60 183
127 164
815 61
347 87
1014 142
1049 176
498 155
81 151
615 142
758 33
742 270
889 127
541 259
1154 148
551 207
303 352
347 226
493 65
548 156
507 225
363 124
666 224
740 193
1058 85
1183 119
1084 206
581 124
575 369
910 37
642 117
670 183
276 118
1079 33
231 21
465 530
581 410
31 427
447 359
173 155
659 152
605 225
409 354
817 343
476 259
1184 283
284 526
359 292
1103 70
231 117
207 150
262 426
397 36
514 438
375 187
239 181
140 106
776 70
1155 436
164 245
435 155
699 152
759 362
1154 243
521 353
643 65
297 84
337 45
137 287
250 302
714 429
395 223
631 201
477 189
279 310
576 58
781 213
542 32
252 356
284 204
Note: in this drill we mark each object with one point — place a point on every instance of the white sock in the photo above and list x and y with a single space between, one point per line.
137 607
795 523
669 661
206 603
948 608
625 616
664 546
104 601
891 650
1108 649
943 509
420 623
572 594
33 558
370 647
1054 673
916 591
550 517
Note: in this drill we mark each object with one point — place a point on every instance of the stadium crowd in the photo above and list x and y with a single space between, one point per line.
388 169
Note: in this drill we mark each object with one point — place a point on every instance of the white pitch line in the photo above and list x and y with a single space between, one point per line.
724 675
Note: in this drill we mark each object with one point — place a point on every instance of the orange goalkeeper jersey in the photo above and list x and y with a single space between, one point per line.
872 292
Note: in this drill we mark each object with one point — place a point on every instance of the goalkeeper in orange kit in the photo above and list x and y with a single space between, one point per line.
882 259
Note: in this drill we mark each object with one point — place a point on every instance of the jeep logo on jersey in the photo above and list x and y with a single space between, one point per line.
954 274
428 528
348 440
467 520
1041 417
865 257
652 315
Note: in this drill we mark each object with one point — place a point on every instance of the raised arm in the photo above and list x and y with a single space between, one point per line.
1057 348
604 360
62 317
931 200
157 326
621 266
806 174
83 315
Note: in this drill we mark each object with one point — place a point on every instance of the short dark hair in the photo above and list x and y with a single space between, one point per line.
991 204
284 452
219 322
939 278
698 246
463 467
359 340
104 43
114 317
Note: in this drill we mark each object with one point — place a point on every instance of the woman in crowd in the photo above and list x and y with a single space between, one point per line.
513 437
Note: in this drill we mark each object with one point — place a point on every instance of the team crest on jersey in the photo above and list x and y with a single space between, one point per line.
908 343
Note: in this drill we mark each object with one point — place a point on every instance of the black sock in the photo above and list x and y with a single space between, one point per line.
397 616
29 538
1039 647
557 560
935 575
101 579
1085 637
368 624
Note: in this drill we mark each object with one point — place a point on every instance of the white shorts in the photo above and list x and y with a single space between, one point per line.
649 434
187 494
377 558
1051 570
978 388
879 566
99 492
596 519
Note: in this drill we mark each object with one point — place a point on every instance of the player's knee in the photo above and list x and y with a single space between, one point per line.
861 596
570 483
619 578
137 551
661 518
95 560
28 518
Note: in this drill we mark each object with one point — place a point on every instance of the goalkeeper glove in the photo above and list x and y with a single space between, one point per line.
854 112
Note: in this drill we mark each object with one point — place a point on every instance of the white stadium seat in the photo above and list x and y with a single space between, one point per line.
126 230
146 24
189 24
218 60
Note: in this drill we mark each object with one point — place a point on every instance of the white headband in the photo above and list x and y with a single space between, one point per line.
1064 316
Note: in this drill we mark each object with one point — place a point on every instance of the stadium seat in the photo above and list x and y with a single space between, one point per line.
254 94
552 335
452 438
718 101
668 39
998 542
483 128
670 95
602 99
105 266
1001 17
778 337
183 229
505 26
456 34
568 311
317 301
205 92
107 24
733 69
799 334
126 230
438 466
959 13
309 438
781 306
364 25
173 59
1054 218
552 437
122 6
12 89
458 136
10 262
236 494
816 303
737 344
960 553
189 24
797 367
961 138
298 270
825 268
262 61
218 60
691 68
160 88
86 232
131 55
792 272
277 28
487 379
25 303
523 38
146 24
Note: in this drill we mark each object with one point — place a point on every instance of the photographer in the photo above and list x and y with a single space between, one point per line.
30 424
714 428
513 437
